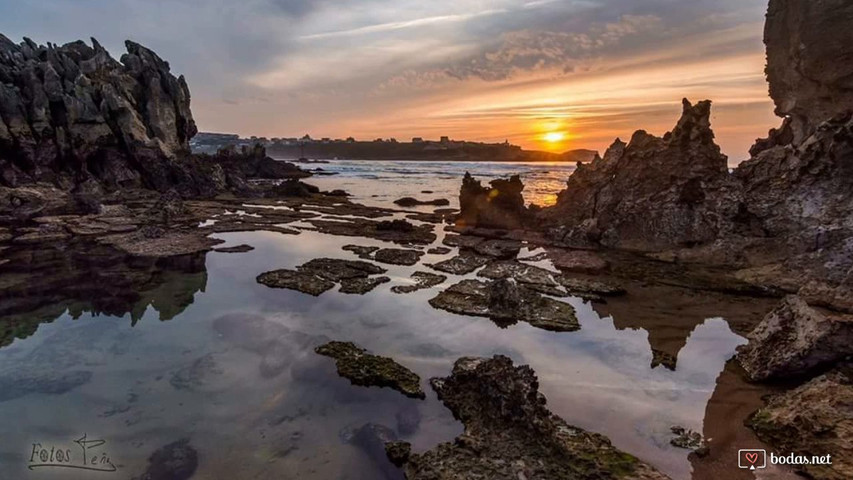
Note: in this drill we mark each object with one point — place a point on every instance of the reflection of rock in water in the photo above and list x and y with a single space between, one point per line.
732 402
38 286
670 314
175 461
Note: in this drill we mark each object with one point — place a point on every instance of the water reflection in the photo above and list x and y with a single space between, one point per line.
236 373
38 286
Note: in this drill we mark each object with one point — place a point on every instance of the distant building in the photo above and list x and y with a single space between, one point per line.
445 139
350 140
417 140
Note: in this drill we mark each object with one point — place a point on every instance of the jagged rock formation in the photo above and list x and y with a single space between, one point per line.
511 434
498 206
652 193
809 62
72 112
74 117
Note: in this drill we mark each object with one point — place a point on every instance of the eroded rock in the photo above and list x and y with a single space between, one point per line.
498 206
321 274
365 369
795 339
422 280
461 264
813 419
510 434
506 303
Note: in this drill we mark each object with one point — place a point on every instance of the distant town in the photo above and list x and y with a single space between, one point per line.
418 148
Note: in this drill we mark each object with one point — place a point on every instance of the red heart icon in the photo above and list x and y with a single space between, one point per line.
751 457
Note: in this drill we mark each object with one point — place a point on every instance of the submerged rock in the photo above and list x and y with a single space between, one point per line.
813 420
510 434
795 339
366 369
175 461
371 438
321 274
422 280
505 303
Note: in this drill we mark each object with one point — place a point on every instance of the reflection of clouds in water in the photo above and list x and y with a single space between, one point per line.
598 378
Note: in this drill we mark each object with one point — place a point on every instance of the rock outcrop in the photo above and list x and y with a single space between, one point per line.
809 62
652 193
511 434
364 368
795 339
813 420
498 206
73 117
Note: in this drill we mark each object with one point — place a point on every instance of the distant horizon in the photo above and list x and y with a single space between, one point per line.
546 75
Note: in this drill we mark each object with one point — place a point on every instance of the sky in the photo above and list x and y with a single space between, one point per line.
544 74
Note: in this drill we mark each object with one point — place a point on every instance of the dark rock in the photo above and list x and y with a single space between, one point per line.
366 369
581 261
422 280
498 206
395 226
510 433
462 241
651 194
807 45
398 256
532 277
461 264
685 438
295 188
337 193
505 303
413 202
585 288
321 274
361 251
659 357
795 339
813 420
439 251
500 249
235 249
397 231
360 286
175 461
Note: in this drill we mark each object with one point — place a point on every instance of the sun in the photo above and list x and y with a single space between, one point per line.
554 137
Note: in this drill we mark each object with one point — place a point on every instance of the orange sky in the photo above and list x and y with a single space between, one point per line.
586 71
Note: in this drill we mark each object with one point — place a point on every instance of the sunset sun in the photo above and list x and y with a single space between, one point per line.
554 137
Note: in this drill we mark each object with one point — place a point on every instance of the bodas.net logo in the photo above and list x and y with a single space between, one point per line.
751 458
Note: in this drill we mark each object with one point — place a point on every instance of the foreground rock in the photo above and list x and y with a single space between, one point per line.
795 339
813 420
321 274
462 264
422 280
529 276
510 434
506 303
363 368
175 461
